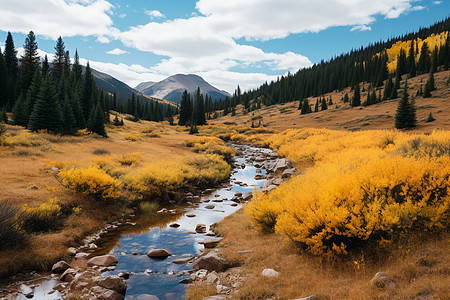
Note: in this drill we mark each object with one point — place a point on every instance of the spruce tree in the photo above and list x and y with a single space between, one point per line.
356 101
424 63
20 117
406 114
47 113
32 95
306 109
198 114
3 116
430 118
324 105
58 59
30 61
411 61
96 123
86 96
77 70
185 109
10 55
45 66
3 82
316 106
70 123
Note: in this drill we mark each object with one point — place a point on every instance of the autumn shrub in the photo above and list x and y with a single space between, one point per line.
91 181
264 211
365 189
149 207
211 145
132 137
45 217
165 177
11 233
129 158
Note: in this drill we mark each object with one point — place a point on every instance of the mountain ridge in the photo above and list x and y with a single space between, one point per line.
173 87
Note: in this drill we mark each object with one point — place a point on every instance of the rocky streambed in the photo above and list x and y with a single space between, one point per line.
153 257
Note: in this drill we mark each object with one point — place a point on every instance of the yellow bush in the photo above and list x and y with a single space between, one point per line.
211 145
42 218
366 188
129 159
133 137
264 211
91 181
154 180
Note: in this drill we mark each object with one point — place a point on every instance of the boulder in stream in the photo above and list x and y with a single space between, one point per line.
211 262
159 253
103 261
60 267
200 228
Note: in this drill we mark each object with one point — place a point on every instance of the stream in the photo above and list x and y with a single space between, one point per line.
130 243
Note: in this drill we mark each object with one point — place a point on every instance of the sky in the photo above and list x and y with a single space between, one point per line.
227 42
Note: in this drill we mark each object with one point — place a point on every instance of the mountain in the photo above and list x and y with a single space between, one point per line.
110 84
172 88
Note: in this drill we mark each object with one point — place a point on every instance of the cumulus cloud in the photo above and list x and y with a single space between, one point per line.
155 14
116 51
361 28
54 18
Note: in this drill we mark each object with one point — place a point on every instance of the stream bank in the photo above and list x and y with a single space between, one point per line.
180 229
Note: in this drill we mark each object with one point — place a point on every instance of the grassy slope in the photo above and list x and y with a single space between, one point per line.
378 116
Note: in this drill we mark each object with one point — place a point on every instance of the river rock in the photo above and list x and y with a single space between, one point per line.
288 173
106 294
238 194
68 275
382 280
103 261
159 253
212 278
259 177
180 261
112 282
81 255
210 243
211 262
174 225
200 228
216 297
200 274
222 289
210 206
82 280
270 273
72 251
60 267
124 275
281 164
268 188
234 204
247 196
190 215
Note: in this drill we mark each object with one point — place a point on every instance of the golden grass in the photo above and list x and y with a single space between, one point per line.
419 266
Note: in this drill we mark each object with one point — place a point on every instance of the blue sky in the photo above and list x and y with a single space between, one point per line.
226 42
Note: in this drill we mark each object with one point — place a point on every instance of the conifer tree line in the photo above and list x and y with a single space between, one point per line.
355 67
59 99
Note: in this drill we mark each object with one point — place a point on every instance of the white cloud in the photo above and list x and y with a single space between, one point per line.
361 28
116 51
54 18
155 14
437 2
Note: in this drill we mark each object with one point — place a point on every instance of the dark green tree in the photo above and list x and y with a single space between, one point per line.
87 92
10 55
185 109
29 62
47 113
406 112
306 108
77 69
198 113
96 123
4 80
45 66
32 95
356 100
70 123
58 59
411 62
20 117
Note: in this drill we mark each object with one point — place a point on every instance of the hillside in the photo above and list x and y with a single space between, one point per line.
341 115
172 88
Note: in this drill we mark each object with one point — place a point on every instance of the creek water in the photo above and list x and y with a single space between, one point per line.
162 277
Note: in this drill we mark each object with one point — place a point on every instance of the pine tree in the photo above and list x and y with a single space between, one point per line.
96 123
430 118
424 62
20 117
185 109
58 59
3 82
3 116
306 109
45 66
87 99
316 106
356 101
406 114
47 112
70 123
427 90
346 98
324 105
411 61
32 95
29 62
77 70
10 55
198 114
